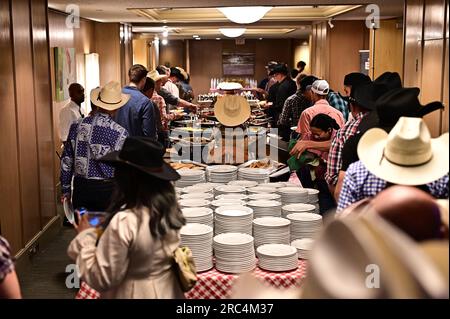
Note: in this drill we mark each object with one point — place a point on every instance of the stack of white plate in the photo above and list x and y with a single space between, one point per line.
303 246
259 175
246 184
233 219
261 190
199 215
275 186
208 184
221 173
207 196
304 225
194 203
277 257
226 202
234 252
291 195
232 197
190 177
199 238
271 230
263 208
264 196
198 189
297 208
227 189
313 198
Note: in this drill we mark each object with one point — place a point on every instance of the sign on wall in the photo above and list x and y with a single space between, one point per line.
65 71
238 63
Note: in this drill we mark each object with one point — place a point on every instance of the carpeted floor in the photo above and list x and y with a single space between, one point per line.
46 279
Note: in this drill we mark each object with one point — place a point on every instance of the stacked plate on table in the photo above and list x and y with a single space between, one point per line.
199 238
303 246
259 175
198 189
227 189
242 183
226 202
291 195
261 190
263 208
264 196
297 208
233 219
221 173
208 184
190 177
232 197
207 196
277 257
304 225
313 198
271 230
194 203
234 252
199 215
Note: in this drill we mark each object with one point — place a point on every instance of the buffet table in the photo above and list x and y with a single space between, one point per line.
214 284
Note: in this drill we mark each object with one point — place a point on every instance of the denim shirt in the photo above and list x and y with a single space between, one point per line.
138 115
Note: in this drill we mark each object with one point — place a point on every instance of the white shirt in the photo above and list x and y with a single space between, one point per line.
172 88
68 114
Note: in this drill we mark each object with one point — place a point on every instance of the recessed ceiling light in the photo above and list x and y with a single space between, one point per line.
198 38
217 38
164 42
260 38
165 33
195 36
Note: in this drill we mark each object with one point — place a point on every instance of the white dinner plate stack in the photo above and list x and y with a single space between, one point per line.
232 197
227 189
291 195
234 252
264 196
199 238
199 215
233 219
303 246
297 208
274 186
198 189
226 202
277 257
259 175
265 208
261 189
207 196
313 198
246 184
194 203
221 173
304 225
190 177
271 230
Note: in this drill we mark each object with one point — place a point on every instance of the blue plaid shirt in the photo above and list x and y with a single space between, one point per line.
89 139
335 100
359 183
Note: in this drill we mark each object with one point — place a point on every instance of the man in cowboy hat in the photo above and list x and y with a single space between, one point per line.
406 156
138 115
89 139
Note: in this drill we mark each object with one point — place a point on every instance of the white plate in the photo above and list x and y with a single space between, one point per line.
194 202
206 196
242 183
195 230
292 190
304 217
264 203
69 211
234 210
261 189
264 196
230 189
303 244
299 208
230 239
271 222
276 250
197 212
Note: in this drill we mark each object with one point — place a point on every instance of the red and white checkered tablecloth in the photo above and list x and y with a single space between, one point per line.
214 284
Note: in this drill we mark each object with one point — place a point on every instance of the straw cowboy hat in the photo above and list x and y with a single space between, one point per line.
232 110
109 97
155 76
407 155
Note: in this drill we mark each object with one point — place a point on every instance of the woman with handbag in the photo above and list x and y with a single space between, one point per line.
134 256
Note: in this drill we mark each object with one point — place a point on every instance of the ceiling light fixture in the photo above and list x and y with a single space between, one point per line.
232 32
244 15
217 39
165 33
164 42
195 36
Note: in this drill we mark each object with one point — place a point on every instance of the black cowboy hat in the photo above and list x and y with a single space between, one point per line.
356 78
366 95
391 79
307 81
279 68
177 73
144 154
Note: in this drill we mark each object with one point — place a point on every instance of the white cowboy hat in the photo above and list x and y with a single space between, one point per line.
232 110
109 97
155 76
407 156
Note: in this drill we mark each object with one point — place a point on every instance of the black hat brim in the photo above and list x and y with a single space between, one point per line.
165 172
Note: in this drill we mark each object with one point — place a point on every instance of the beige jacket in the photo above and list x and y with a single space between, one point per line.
127 262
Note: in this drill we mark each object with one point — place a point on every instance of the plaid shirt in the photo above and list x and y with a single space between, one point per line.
6 262
162 107
334 163
335 100
359 183
89 139
292 109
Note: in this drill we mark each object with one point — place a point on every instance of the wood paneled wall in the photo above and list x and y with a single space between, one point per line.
141 52
173 54
426 56
27 191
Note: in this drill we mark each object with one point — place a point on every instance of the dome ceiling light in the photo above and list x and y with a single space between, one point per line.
244 15
232 32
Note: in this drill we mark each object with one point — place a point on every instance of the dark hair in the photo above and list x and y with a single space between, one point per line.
161 69
135 189
301 64
324 122
137 72
149 85
294 73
